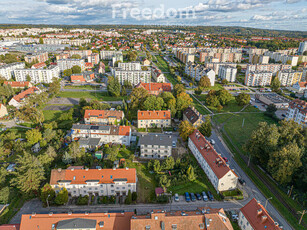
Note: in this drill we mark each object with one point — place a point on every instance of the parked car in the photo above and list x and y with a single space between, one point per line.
225 159
241 181
283 115
193 198
187 197
176 197
210 196
198 196
212 142
174 144
204 195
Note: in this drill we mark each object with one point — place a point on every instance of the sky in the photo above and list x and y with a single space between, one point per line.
265 14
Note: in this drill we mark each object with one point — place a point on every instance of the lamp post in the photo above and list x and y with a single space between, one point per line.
47 201
266 202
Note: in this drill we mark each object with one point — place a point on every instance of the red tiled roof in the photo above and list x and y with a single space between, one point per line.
25 93
104 176
302 84
38 65
151 115
17 84
10 227
258 217
150 87
215 161
77 78
89 64
299 104
103 114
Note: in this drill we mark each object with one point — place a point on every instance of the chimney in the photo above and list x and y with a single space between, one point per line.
72 169
263 218
259 211
50 213
86 169
33 213
127 168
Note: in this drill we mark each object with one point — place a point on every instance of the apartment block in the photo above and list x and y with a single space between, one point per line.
117 58
93 58
283 58
38 57
215 66
21 98
157 75
254 216
69 63
155 146
193 116
186 54
297 111
101 182
228 72
107 133
217 170
155 88
289 77
274 68
108 54
42 75
220 57
7 70
150 119
302 48
129 66
104 117
258 59
198 71
258 78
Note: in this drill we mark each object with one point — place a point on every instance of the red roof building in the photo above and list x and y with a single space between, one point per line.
18 84
107 117
155 88
150 119
10 227
39 65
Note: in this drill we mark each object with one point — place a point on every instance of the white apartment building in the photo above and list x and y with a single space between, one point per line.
38 75
155 146
283 58
198 71
7 70
108 54
297 111
117 58
39 57
273 68
289 77
215 66
150 119
217 170
228 72
58 41
69 63
106 133
256 78
254 216
302 48
131 72
101 182
129 66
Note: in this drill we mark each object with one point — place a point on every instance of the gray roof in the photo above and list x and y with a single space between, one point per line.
89 141
149 139
91 127
77 223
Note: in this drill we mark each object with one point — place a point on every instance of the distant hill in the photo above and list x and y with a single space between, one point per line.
221 30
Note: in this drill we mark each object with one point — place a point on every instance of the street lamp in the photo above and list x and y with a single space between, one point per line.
266 202
47 201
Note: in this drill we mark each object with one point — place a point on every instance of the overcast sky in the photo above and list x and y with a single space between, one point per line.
266 14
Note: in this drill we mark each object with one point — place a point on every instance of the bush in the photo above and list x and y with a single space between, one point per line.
134 196
83 200
162 199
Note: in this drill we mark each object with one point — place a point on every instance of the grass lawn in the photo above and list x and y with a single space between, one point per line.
124 153
52 115
162 65
217 86
93 95
199 107
93 87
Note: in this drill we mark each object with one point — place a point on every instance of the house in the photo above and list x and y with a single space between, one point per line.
193 116
89 143
3 111
300 86
81 78
36 148
39 65
155 88
107 117
146 62
19 99
18 84
254 216
217 170
155 146
10 226
297 111
157 74
106 133
149 119
102 182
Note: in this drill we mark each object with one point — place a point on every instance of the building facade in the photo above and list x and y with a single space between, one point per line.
7 70
104 117
289 77
21 98
228 72
155 146
256 78
65 64
38 75
151 119
102 182
198 71
193 116
297 111
132 73
157 75
218 172
38 57
108 54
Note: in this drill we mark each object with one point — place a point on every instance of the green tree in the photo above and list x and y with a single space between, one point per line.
275 84
153 103
113 87
206 128
62 197
270 110
47 192
156 166
76 69
224 82
168 163
75 56
212 100
190 173
41 41
185 129
55 86
129 198
67 72
33 136
5 195
243 99
164 182
223 96
137 98
204 82
134 196
67 158
183 102
178 89
28 78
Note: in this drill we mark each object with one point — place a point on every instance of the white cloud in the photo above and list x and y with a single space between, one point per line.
261 17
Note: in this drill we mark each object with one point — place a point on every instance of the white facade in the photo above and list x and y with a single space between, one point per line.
288 77
199 71
6 71
228 72
133 76
69 63
108 55
129 66
302 48
37 75
297 111
258 78
155 146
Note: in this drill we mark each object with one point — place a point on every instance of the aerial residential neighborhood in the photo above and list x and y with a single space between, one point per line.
115 117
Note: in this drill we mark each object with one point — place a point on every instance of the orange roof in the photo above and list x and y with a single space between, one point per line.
103 114
257 216
25 93
215 161
17 84
302 84
38 65
150 115
124 130
104 176
156 86
89 64
111 221
10 227
77 78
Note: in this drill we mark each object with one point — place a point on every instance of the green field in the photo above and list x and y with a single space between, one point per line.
93 95
162 65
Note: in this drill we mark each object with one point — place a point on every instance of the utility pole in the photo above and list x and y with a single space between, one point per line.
249 160
290 191
47 200
266 202
303 213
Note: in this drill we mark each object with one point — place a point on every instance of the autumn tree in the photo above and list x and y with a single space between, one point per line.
204 82
47 192
62 197
33 136
243 99
206 128
153 103
185 129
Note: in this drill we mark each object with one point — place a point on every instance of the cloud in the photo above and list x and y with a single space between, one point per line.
261 17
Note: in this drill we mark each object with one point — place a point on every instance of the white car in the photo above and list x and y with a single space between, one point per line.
176 197
212 142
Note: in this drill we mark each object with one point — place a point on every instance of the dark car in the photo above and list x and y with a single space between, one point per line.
193 198
198 196
225 159
241 181
187 197
210 196
204 195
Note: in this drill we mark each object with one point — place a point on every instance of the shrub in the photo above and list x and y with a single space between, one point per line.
83 200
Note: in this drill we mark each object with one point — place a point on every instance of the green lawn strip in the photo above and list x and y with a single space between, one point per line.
162 65
82 87
52 115
93 95
200 107
267 193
